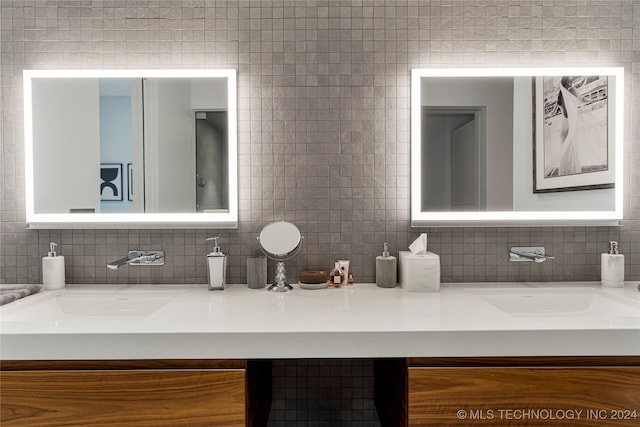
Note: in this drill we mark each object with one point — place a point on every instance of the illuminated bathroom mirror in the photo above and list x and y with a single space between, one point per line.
519 146
131 148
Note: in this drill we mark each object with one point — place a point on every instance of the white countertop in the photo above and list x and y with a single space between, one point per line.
185 321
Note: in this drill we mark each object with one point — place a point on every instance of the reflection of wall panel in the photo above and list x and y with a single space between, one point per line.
211 164
436 163
67 116
170 161
209 94
137 154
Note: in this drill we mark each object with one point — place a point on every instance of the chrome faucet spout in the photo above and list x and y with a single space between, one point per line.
114 265
535 254
532 257
139 258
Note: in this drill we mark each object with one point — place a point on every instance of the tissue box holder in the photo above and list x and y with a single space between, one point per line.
420 273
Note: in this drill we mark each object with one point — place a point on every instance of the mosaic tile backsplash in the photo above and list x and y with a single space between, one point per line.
323 91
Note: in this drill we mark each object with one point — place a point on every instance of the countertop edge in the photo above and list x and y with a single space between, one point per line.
281 345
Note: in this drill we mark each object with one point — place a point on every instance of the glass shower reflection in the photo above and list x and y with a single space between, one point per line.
211 161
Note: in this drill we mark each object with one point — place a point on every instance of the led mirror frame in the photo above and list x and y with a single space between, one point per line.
133 220
513 218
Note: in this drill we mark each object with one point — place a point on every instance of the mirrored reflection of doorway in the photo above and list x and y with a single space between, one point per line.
211 161
120 115
454 153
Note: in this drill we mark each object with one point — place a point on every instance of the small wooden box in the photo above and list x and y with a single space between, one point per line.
312 277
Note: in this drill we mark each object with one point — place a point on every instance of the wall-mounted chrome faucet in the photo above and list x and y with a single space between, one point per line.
139 258
528 253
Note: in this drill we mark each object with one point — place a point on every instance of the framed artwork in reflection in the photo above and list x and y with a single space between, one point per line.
572 143
111 182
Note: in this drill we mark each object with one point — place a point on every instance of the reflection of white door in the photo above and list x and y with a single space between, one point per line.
464 168
66 119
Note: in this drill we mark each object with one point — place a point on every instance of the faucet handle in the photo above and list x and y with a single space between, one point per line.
146 257
139 258
540 253
528 253
216 248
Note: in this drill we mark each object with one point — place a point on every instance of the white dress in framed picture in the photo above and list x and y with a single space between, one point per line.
573 142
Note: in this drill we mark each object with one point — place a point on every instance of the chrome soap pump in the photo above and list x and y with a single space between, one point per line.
216 266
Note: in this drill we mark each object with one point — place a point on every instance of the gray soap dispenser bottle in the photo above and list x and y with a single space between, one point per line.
216 266
386 269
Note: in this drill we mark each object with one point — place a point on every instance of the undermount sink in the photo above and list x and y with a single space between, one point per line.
124 304
557 301
92 303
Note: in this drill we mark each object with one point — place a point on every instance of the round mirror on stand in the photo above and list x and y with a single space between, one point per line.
280 241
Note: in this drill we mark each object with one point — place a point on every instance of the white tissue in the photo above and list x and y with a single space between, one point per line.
419 246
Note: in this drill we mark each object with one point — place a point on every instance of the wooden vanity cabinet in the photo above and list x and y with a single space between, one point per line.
522 391
140 393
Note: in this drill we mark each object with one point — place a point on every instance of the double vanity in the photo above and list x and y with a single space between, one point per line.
484 341
475 353
360 321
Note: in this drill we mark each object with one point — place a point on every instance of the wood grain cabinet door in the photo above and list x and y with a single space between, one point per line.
123 397
519 396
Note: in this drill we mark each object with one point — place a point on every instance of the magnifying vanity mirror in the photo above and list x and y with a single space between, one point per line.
523 146
280 241
131 148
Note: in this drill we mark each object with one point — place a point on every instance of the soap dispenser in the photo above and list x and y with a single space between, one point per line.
53 269
216 266
386 269
612 268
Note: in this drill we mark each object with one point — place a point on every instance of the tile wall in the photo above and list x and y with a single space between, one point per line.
323 92
323 122
320 392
